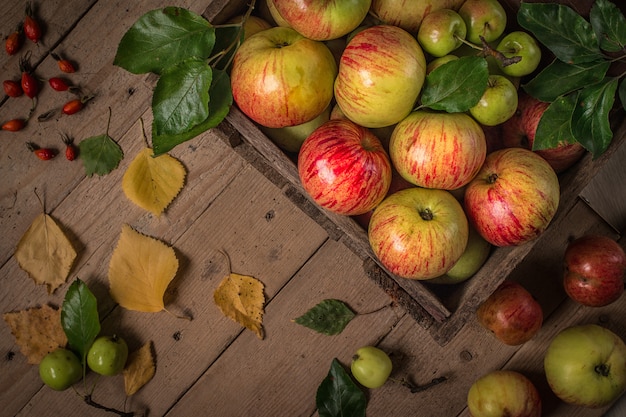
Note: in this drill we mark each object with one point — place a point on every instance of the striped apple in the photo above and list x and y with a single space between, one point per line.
513 197
381 73
344 168
418 233
438 150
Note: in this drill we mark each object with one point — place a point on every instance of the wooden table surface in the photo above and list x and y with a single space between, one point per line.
210 365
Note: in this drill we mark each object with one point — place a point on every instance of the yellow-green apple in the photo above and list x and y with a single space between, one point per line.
371 366
498 102
594 270
437 62
418 233
474 256
521 128
520 44
585 365
290 138
409 14
252 25
513 197
485 18
511 313
344 168
441 32
381 74
323 20
280 78
504 393
438 149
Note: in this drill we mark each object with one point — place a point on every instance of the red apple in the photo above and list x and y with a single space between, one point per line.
511 313
323 20
513 197
504 393
344 167
418 233
520 129
438 150
381 73
594 270
280 78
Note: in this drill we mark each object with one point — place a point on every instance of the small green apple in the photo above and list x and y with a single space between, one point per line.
498 103
520 44
441 32
476 253
290 138
437 62
485 18
371 366
107 355
60 369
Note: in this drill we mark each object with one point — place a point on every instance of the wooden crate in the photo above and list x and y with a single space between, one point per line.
441 309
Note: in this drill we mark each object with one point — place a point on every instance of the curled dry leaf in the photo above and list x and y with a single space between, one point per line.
37 331
241 298
45 253
140 270
139 369
152 182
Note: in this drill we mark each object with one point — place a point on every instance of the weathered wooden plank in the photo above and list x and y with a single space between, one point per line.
280 375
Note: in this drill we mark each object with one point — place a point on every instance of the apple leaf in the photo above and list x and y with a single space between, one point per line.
590 120
456 86
560 78
622 93
563 31
338 395
162 38
181 97
100 154
219 106
609 24
329 317
79 318
555 126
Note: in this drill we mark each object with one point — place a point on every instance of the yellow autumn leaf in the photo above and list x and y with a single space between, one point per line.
37 331
140 270
45 253
139 369
241 298
152 182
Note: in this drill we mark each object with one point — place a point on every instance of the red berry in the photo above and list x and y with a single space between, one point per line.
31 27
12 88
30 85
73 106
14 125
13 43
70 149
64 64
58 84
42 153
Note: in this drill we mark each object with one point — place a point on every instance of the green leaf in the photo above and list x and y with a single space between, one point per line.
590 121
622 93
338 395
456 86
181 97
219 106
100 154
560 78
329 317
609 24
227 40
555 125
79 318
567 34
162 38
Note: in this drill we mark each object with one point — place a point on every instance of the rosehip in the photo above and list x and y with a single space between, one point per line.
32 30
44 154
58 84
14 125
73 106
64 64
30 85
13 43
12 88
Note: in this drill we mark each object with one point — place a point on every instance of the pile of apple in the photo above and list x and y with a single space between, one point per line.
339 84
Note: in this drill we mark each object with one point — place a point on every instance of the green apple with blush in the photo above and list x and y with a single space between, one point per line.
441 32
483 18
437 62
498 103
520 44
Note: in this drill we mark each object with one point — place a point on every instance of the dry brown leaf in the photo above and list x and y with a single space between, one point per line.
139 369
241 298
37 331
153 182
140 270
45 253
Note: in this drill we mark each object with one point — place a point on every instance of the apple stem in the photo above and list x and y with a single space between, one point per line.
603 369
492 178
414 388
91 402
426 214
504 60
